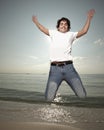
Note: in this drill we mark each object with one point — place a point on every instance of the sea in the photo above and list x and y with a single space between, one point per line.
27 87
22 98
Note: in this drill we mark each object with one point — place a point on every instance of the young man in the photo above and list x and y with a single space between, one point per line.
61 67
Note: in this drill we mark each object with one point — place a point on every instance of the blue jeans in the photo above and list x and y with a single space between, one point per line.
67 73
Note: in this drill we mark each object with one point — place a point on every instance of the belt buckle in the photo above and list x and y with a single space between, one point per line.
61 64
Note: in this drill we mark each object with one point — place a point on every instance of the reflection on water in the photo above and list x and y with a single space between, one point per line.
57 114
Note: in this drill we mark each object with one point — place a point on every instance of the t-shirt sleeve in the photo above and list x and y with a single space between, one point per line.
75 35
51 32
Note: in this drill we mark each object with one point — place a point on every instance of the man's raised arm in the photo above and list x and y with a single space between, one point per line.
85 29
41 27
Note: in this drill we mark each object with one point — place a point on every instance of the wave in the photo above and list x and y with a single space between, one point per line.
38 97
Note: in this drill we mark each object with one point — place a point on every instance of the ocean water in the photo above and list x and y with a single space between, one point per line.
31 87
22 99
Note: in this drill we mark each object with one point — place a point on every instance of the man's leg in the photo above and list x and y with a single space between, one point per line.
73 79
54 80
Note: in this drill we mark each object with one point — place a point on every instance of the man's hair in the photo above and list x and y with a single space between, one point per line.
63 19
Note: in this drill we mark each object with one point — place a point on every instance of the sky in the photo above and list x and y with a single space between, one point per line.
24 49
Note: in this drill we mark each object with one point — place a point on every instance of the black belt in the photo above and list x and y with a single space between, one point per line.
61 63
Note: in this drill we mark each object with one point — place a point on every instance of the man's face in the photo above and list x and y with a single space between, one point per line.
63 27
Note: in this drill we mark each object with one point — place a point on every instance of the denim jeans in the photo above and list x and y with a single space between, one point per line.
67 73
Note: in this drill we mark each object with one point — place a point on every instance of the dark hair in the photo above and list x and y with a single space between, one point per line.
63 19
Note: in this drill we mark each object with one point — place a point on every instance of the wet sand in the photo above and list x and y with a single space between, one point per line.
24 116
33 126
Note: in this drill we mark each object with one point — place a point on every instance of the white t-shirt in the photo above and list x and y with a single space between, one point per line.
61 45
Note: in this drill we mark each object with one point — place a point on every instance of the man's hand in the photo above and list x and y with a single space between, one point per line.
91 13
34 19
